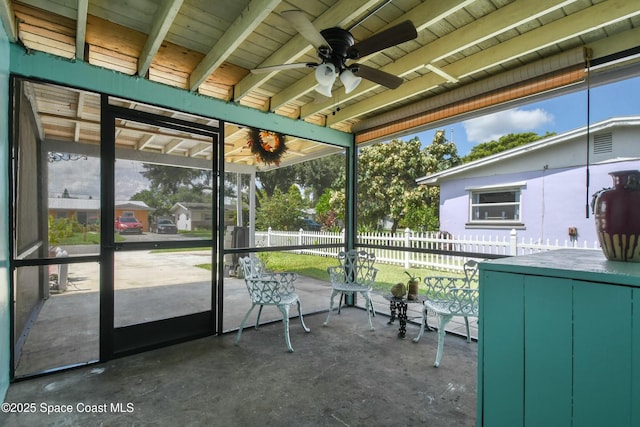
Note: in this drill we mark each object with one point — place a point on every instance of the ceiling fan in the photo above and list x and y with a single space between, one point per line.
336 47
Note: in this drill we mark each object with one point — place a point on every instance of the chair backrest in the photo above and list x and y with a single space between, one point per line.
252 267
358 267
470 271
265 287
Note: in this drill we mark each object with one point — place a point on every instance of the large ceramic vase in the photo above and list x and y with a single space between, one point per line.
617 217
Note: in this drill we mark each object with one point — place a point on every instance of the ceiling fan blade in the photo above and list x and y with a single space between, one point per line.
281 67
400 33
380 77
302 25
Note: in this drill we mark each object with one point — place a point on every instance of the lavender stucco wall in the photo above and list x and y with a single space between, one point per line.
552 201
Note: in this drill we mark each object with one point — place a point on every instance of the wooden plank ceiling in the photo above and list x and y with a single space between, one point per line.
469 54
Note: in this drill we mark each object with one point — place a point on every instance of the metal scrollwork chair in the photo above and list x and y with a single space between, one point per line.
448 297
267 288
355 274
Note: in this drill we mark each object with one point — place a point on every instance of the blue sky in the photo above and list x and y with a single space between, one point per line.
558 115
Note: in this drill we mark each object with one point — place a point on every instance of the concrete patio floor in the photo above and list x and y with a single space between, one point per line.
339 375
342 374
158 286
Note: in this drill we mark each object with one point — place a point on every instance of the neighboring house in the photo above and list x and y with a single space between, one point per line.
87 211
134 208
191 216
538 189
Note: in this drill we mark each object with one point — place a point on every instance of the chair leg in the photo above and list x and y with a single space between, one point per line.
422 325
466 322
284 309
443 319
343 297
333 295
244 320
369 308
301 319
258 318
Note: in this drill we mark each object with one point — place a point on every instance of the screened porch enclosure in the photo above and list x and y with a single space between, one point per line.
95 277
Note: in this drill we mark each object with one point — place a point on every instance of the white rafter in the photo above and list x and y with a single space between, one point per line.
161 23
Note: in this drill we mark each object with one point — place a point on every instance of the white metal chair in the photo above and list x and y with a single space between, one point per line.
267 288
448 297
355 274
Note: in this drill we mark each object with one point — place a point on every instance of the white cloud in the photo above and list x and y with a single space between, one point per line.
81 178
493 126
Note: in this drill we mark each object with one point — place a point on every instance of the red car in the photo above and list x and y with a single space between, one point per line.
128 224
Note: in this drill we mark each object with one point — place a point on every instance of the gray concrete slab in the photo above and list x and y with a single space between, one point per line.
339 375
152 286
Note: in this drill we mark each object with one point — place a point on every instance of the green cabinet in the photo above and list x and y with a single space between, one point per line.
559 341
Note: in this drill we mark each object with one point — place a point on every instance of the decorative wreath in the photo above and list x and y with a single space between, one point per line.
268 147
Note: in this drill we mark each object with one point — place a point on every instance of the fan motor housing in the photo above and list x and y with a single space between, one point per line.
340 41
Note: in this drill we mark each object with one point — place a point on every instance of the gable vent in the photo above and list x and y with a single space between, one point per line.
602 143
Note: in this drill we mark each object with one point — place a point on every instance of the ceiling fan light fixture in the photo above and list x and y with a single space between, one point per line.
324 90
326 74
349 80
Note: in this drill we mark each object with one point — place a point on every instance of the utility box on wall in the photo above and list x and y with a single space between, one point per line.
558 341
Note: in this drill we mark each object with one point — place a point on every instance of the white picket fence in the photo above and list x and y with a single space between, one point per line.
409 241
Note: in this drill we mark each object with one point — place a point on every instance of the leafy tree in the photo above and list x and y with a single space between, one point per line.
279 178
423 205
313 176
281 211
170 184
422 208
325 214
505 142
160 201
387 186
168 179
320 174
442 154
59 229
386 177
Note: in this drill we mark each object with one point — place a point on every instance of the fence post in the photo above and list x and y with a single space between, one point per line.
513 242
407 244
268 236
300 239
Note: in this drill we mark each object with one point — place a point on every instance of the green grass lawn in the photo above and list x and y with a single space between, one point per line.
90 238
316 267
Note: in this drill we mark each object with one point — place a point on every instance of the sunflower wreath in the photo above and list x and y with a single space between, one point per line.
268 147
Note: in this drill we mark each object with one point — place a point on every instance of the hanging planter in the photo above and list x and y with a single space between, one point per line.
268 147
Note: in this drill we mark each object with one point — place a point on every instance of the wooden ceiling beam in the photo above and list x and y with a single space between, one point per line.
145 141
242 27
555 32
571 26
422 16
173 146
516 13
81 28
162 21
8 19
